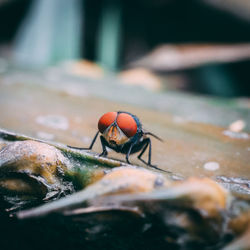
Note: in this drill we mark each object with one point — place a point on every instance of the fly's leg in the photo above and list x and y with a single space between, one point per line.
128 154
104 150
93 141
91 145
148 144
143 151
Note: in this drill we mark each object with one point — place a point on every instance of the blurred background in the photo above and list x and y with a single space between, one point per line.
181 66
199 46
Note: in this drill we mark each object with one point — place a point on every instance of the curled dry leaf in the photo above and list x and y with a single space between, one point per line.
31 168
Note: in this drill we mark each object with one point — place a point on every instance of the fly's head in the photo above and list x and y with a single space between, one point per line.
117 127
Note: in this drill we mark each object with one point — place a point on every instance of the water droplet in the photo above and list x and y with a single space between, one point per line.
236 135
158 182
211 166
237 126
53 121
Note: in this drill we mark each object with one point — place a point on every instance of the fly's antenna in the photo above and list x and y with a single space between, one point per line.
155 136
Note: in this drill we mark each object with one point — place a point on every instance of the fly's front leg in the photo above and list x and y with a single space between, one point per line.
104 150
91 145
128 153
93 141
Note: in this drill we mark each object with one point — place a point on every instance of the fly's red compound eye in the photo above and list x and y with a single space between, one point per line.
106 120
127 124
